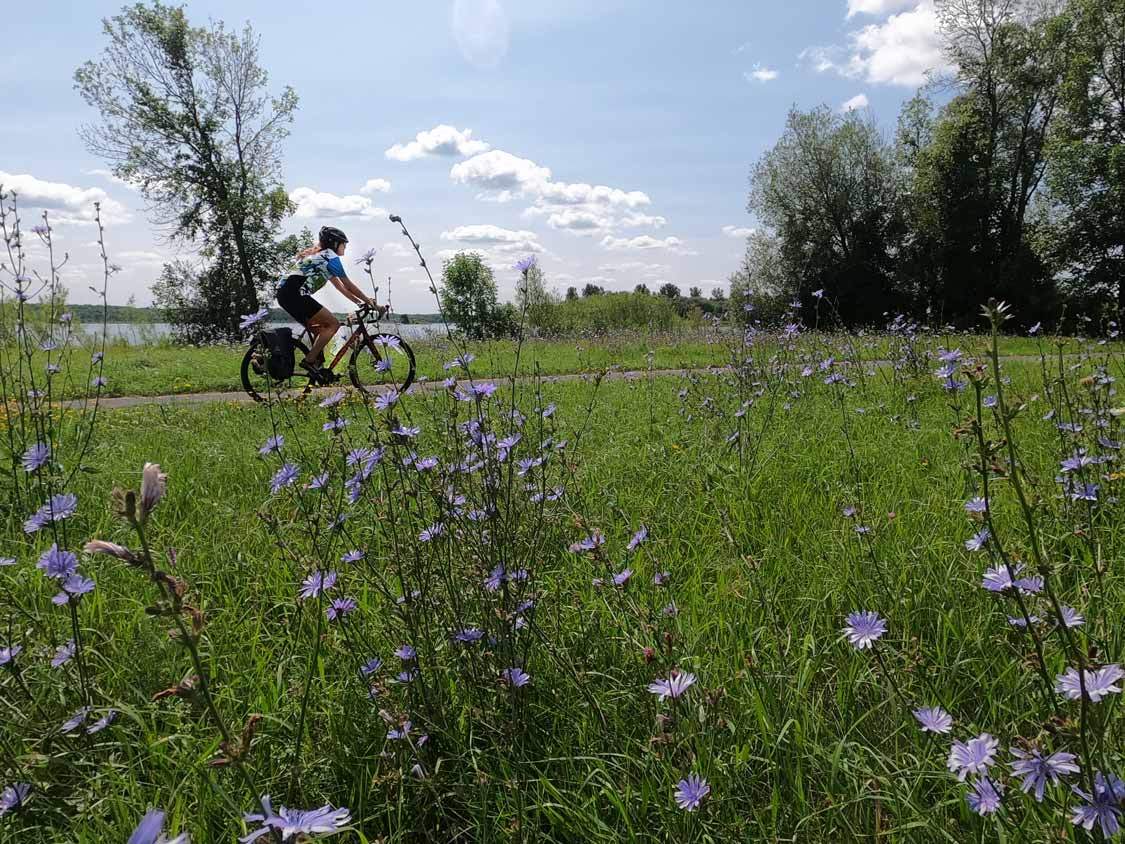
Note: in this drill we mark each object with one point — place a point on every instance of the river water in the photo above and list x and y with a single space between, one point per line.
139 334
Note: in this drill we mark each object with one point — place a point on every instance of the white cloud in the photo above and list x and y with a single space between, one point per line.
374 186
110 177
877 7
140 258
501 175
738 232
644 242
311 204
857 102
442 140
481 30
898 51
64 203
496 238
760 73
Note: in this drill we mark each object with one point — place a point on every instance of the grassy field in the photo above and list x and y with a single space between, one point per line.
742 479
164 369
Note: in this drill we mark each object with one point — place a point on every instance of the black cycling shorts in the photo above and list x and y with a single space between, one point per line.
296 303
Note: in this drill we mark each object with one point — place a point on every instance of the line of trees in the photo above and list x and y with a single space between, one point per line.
1014 187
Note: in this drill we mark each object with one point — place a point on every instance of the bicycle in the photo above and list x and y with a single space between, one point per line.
379 361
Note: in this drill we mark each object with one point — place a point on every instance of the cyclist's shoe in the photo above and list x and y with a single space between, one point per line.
318 374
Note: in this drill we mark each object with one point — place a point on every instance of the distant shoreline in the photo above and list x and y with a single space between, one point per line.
145 316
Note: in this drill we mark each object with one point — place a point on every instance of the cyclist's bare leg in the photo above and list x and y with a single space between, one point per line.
324 325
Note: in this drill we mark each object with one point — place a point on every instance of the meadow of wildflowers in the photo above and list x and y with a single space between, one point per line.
797 596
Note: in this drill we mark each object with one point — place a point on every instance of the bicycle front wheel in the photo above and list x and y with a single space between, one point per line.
258 382
381 362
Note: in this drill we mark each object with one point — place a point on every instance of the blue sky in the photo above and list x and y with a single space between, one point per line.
612 138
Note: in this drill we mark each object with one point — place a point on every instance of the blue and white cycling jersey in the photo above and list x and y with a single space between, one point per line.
316 269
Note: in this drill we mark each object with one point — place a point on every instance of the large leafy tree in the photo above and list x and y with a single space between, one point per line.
977 169
468 294
187 118
829 193
1087 151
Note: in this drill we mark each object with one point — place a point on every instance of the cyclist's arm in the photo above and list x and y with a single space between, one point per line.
345 285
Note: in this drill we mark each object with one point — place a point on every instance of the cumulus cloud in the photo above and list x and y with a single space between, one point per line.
64 203
312 203
495 238
645 242
481 30
374 186
877 7
856 102
110 177
898 51
738 232
501 175
760 73
443 140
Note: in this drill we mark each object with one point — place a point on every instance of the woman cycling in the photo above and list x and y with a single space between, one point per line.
309 272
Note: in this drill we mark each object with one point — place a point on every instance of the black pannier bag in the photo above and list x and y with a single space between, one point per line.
279 351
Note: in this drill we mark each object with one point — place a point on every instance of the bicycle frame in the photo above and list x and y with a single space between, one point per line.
358 335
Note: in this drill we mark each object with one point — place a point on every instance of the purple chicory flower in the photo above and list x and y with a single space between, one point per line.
622 577
1103 808
273 443
14 796
640 536
75 721
431 533
299 824
63 654
9 654
7 561
975 756
35 457
400 733
98 382
352 556
57 563
864 628
102 723
517 678
151 831
339 608
407 653
984 796
337 424
591 542
317 583
74 587
249 320
976 506
334 399
1071 617
1038 770
367 256
1099 683
318 482
371 666
468 635
934 720
690 792
978 541
525 264
385 400
284 477
673 687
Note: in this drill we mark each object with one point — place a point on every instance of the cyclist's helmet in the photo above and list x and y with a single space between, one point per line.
331 237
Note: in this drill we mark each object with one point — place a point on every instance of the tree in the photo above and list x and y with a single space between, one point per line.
718 294
641 288
974 182
828 191
468 294
670 290
533 299
187 119
695 292
591 289
571 293
1086 176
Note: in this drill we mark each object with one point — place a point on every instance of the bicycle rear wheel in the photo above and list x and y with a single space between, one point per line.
381 362
261 386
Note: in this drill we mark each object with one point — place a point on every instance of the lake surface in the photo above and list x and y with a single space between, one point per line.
138 333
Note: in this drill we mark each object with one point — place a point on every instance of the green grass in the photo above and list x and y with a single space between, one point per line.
800 737
165 369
